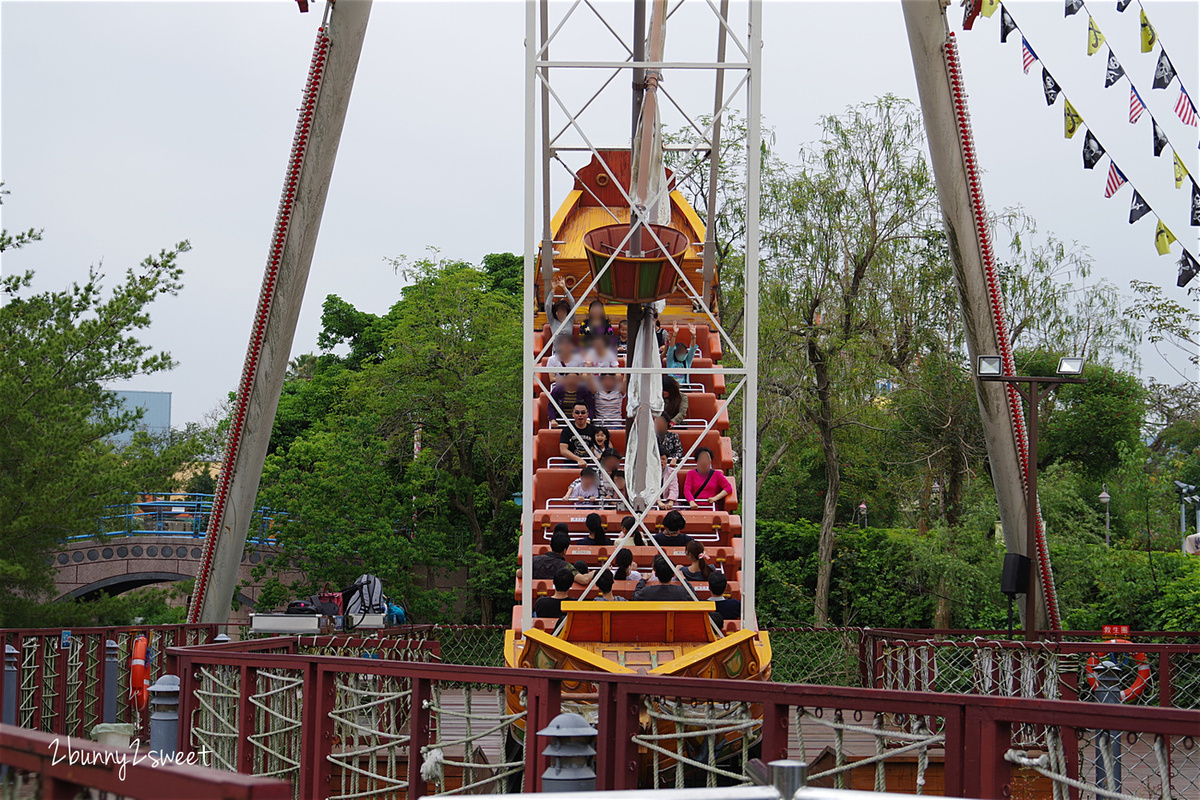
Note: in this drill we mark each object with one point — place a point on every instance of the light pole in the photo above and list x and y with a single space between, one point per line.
991 368
862 509
1104 498
1184 489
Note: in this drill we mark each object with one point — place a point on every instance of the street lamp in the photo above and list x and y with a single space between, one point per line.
1184 489
991 368
1104 498
862 509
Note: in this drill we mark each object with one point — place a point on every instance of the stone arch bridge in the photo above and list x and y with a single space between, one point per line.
156 539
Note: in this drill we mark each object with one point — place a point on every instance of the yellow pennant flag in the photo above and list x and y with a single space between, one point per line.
989 7
1071 118
1163 239
1095 37
1149 37
1181 172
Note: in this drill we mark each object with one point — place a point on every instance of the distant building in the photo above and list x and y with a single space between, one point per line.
156 416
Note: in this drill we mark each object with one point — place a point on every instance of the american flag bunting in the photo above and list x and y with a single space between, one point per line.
1027 55
1185 108
1115 180
1136 106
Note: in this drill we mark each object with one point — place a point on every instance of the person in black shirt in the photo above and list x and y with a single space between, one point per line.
727 607
551 607
673 536
665 589
568 445
547 565
596 534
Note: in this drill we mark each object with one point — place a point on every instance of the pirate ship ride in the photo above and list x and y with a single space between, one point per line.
626 236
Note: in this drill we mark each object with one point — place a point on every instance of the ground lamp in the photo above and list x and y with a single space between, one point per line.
991 368
1105 497
572 753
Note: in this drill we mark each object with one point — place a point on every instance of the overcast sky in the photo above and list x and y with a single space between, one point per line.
129 126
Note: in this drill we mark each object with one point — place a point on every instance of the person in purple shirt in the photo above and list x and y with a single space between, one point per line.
570 390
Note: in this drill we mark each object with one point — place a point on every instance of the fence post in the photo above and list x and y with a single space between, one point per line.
1164 677
11 679
246 687
418 733
625 766
775 732
543 699
606 749
987 774
316 772
955 748
110 681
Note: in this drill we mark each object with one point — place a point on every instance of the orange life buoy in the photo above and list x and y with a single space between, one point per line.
139 674
1141 679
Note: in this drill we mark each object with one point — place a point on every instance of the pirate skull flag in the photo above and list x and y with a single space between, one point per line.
1164 73
1092 150
1114 72
1007 25
1138 207
1187 269
1123 4
1050 87
1160 138
1072 7
1195 204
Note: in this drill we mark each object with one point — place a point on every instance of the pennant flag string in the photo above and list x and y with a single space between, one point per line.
1093 150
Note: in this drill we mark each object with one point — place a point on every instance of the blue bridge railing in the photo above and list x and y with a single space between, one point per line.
175 514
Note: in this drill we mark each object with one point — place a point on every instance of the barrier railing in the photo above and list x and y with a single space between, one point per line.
62 676
343 727
1158 674
44 765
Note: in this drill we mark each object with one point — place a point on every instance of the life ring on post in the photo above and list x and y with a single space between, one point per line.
139 674
1141 679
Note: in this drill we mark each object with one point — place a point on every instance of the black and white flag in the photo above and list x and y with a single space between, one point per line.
1114 72
1092 150
1187 269
1195 204
1160 138
1138 208
1164 73
1050 87
1123 4
1007 25
1072 7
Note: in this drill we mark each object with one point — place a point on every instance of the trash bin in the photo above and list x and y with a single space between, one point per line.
114 734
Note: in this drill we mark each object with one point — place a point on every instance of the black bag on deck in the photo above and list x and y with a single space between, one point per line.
301 607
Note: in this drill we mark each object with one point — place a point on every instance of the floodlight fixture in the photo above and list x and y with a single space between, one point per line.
988 366
1070 365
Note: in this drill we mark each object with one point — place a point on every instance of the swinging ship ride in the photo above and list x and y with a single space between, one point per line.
626 236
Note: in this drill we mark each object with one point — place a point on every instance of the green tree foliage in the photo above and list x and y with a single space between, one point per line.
402 455
58 352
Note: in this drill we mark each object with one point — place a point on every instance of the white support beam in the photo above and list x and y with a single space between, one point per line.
282 294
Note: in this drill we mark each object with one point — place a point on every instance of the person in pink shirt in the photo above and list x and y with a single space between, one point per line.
670 494
706 483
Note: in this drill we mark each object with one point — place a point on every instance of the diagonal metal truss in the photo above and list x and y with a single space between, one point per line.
543 151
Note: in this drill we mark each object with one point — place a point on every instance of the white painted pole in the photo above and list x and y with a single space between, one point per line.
270 348
927 34
749 466
533 167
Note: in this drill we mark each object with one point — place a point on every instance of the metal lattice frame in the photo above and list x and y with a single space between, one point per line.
540 156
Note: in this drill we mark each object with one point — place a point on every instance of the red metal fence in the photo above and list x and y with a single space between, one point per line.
61 673
44 765
343 727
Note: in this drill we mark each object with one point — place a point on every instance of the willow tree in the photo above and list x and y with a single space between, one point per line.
844 234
